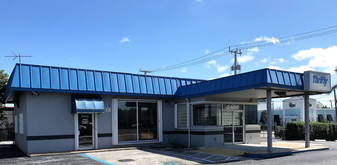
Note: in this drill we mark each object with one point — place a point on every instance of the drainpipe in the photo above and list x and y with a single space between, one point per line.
335 99
188 123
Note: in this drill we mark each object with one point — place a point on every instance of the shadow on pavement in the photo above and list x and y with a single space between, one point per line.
10 151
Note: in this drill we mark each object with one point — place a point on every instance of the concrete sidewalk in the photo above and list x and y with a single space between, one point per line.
220 154
280 148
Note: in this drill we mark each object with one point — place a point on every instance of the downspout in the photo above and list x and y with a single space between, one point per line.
188 123
335 99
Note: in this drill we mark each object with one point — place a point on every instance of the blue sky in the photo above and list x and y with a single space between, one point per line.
127 35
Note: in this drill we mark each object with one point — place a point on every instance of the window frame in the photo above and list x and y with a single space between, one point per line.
203 126
176 116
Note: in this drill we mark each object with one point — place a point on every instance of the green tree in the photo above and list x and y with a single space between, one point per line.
3 84
263 118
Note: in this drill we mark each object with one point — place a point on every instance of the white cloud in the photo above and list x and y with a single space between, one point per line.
125 39
209 63
207 51
264 60
255 49
319 59
245 58
198 0
267 39
221 68
224 75
300 69
184 70
274 67
278 60
217 66
281 60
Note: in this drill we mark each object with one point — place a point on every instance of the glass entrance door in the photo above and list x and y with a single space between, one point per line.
227 119
233 126
147 119
127 121
85 131
137 121
238 126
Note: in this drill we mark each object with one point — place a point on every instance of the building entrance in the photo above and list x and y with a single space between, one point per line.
86 131
233 123
137 121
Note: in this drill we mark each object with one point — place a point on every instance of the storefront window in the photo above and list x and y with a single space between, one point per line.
206 114
181 115
137 121
251 114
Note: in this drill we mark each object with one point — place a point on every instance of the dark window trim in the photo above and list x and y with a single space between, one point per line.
50 137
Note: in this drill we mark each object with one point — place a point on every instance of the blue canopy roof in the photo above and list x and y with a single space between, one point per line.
39 78
264 78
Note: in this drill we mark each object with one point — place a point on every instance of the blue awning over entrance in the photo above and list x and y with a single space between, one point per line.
88 105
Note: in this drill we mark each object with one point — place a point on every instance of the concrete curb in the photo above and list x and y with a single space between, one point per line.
267 155
279 154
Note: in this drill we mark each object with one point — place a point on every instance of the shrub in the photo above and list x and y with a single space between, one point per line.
279 132
296 131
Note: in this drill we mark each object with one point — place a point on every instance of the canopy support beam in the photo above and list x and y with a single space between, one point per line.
269 122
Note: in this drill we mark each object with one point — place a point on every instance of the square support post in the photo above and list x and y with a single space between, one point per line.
306 120
269 122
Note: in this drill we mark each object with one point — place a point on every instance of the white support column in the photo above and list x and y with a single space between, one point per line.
160 121
96 130
188 118
306 120
114 113
269 122
76 130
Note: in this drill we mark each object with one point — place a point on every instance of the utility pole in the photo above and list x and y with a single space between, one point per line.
17 56
145 71
236 66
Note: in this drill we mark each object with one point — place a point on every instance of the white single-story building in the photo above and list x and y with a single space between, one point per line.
65 109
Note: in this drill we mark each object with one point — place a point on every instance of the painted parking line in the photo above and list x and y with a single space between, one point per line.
193 156
179 155
101 161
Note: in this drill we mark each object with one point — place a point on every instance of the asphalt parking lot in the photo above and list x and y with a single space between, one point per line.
163 156
11 155
157 156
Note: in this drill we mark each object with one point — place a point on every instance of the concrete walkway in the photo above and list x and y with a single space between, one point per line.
160 156
280 148
219 154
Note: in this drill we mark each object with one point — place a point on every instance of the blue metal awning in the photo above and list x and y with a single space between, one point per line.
38 78
87 105
264 78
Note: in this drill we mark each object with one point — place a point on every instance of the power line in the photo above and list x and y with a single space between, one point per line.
247 47
285 37
190 64
192 60
219 53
